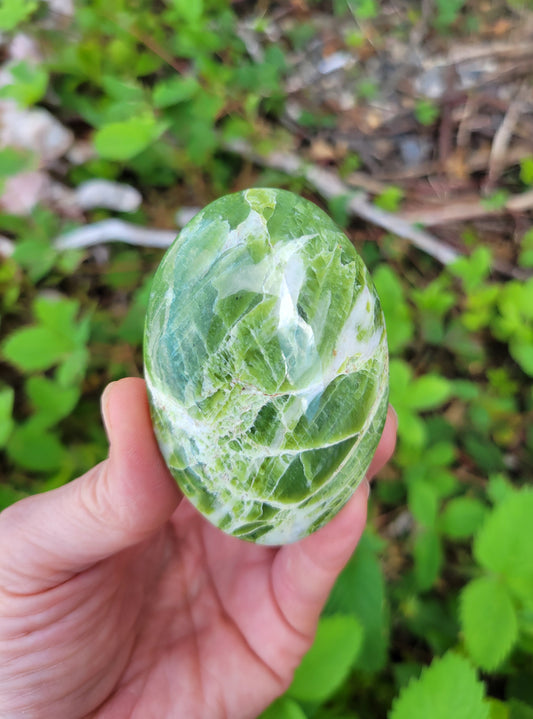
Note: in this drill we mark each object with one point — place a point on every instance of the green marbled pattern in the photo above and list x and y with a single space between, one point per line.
266 365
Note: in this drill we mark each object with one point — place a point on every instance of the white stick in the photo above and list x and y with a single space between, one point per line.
114 231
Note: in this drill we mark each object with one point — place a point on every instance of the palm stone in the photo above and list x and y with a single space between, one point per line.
266 365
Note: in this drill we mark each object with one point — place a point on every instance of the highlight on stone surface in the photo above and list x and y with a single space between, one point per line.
266 365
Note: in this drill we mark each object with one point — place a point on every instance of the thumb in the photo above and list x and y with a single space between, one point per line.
47 538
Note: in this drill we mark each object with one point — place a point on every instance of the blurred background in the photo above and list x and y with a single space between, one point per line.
411 123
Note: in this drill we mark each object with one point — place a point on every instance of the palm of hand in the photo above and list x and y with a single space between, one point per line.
114 603
185 624
204 636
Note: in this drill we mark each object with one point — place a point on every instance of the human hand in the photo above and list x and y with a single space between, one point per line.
117 599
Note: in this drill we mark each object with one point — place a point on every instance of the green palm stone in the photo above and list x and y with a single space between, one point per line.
266 365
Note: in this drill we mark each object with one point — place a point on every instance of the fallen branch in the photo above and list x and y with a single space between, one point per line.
329 185
504 134
465 210
114 231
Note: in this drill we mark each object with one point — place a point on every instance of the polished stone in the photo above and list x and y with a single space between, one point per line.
266 364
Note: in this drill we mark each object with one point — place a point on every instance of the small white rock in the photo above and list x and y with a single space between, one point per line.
34 129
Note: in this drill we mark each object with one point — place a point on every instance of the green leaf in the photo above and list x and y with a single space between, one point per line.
7 398
423 502
462 517
325 666
35 348
498 710
426 111
72 370
428 556
14 12
522 353
51 401
489 622
189 10
123 140
369 606
9 495
499 488
398 316
526 170
60 314
283 708
474 269
364 9
504 545
35 255
390 199
34 449
56 313
174 90
428 392
411 428
448 688
520 710
29 83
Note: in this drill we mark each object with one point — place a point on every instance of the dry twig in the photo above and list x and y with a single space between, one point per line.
504 135
114 231
329 185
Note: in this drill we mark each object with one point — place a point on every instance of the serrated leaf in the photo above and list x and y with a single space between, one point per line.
35 348
504 545
428 556
462 517
36 450
123 140
369 606
489 622
325 666
448 688
283 708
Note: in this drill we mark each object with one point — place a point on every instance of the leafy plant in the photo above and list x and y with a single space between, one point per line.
504 549
440 586
448 688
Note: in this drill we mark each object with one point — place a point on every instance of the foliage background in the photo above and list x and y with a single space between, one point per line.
385 114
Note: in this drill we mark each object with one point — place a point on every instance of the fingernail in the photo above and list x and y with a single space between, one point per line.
366 484
394 413
104 406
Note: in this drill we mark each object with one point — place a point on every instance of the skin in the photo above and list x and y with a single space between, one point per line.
119 601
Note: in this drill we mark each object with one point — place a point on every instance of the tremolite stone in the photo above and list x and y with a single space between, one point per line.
266 364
